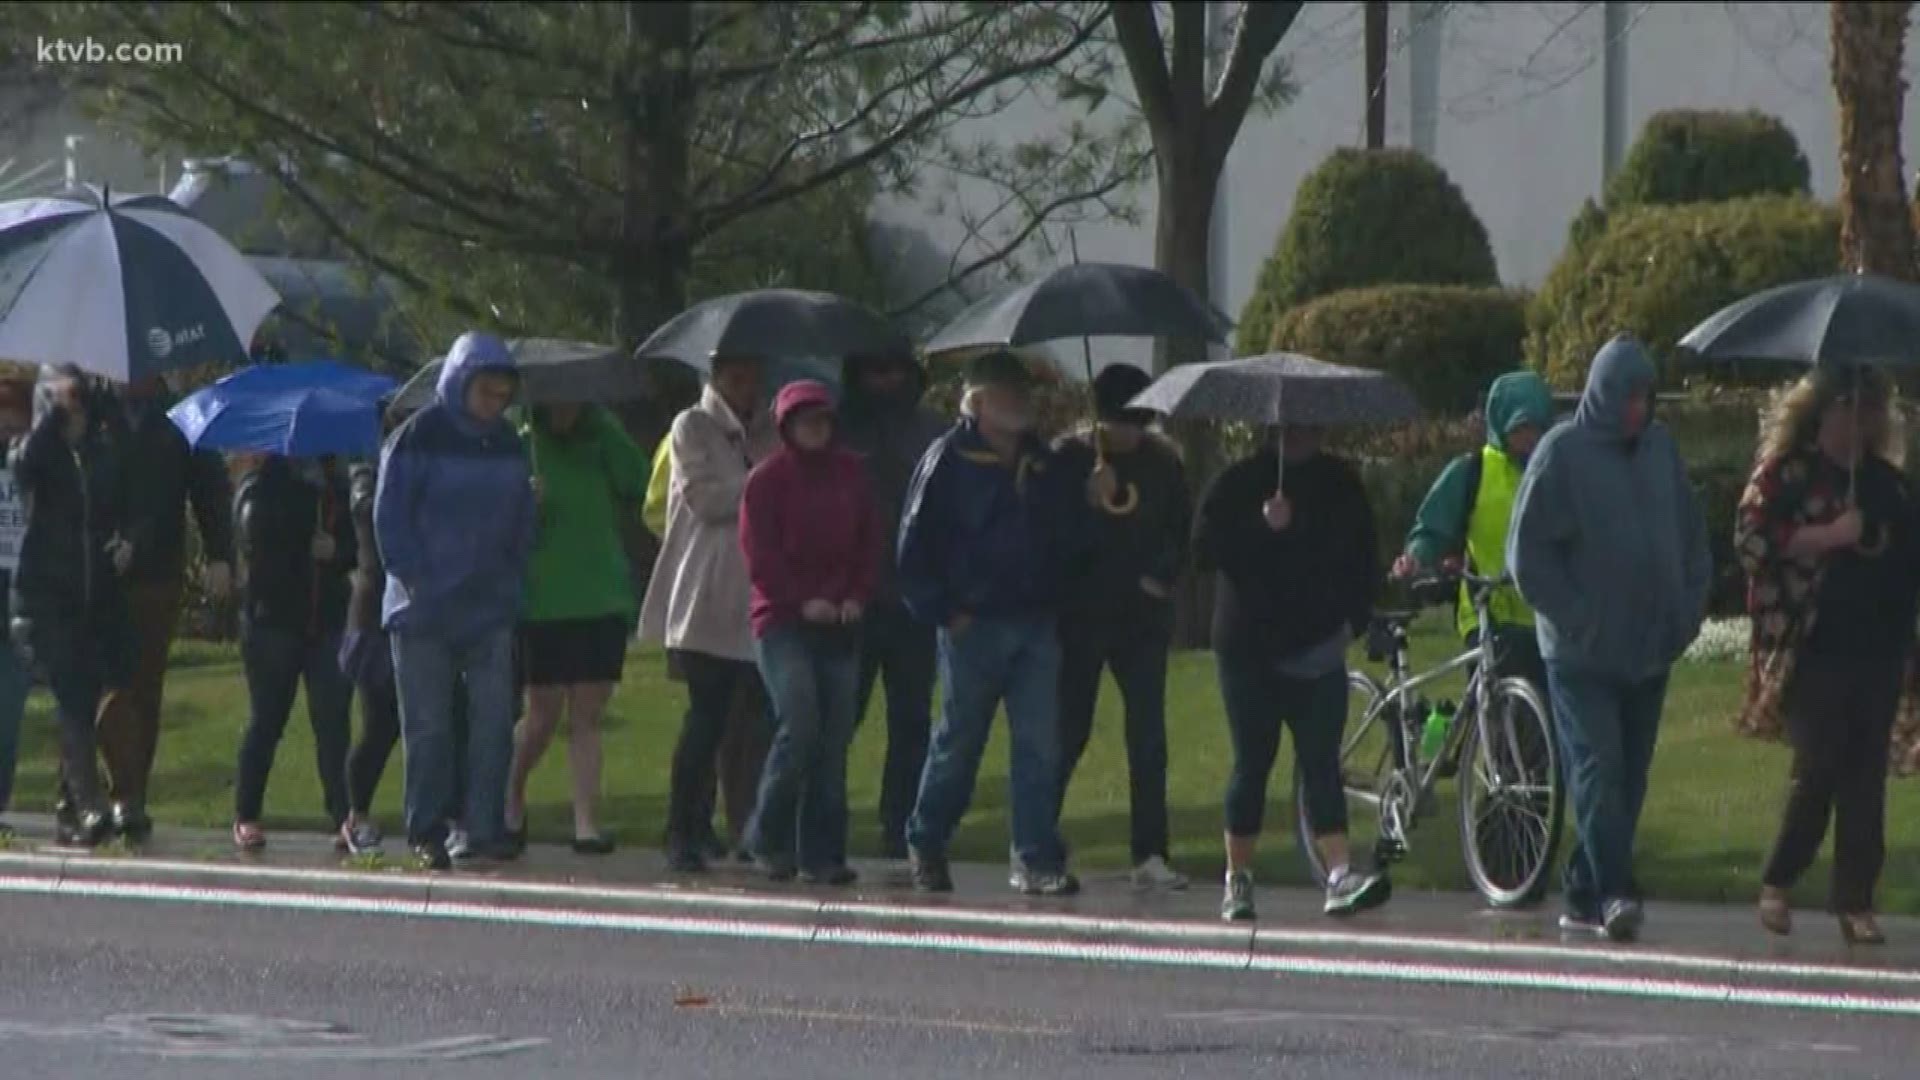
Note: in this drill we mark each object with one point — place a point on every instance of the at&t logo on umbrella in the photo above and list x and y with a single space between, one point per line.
161 343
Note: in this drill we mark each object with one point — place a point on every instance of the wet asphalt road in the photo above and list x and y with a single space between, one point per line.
108 988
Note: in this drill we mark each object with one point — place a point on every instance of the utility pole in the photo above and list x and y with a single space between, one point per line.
1376 50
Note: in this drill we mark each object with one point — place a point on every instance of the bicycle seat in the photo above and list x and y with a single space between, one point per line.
1396 618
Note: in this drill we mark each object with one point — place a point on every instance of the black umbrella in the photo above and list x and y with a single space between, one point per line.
1848 319
551 372
774 324
1081 301
1277 390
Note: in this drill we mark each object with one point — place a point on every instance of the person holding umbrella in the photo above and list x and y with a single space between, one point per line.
1609 548
69 611
1829 536
300 549
882 419
1119 607
993 520
580 605
455 518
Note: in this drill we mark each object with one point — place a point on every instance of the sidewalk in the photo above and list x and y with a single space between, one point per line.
1696 952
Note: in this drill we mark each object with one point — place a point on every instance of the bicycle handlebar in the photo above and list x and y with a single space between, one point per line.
1442 580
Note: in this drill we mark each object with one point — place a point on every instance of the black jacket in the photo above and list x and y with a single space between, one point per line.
66 592
1150 541
369 576
285 589
892 436
171 473
1283 593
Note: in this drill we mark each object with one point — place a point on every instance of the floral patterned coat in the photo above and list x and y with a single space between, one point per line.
1784 495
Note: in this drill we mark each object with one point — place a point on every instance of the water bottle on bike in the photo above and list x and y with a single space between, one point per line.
1433 736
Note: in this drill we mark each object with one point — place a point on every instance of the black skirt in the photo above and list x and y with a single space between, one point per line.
564 652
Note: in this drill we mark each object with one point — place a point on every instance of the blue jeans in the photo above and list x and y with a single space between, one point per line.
1607 727
15 680
1015 661
812 676
429 672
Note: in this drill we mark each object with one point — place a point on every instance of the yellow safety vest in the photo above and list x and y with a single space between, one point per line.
654 511
1487 521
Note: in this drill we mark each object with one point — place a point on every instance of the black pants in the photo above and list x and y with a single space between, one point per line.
900 649
379 732
1259 701
1839 716
277 663
1131 641
713 685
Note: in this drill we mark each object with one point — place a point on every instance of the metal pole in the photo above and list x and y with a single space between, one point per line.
1614 80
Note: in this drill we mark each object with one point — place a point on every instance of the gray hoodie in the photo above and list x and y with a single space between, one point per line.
1608 544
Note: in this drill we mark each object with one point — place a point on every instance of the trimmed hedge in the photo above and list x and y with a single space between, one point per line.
1366 218
1445 342
1657 271
1690 156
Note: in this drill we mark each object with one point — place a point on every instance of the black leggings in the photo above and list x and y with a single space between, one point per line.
379 731
1259 702
714 684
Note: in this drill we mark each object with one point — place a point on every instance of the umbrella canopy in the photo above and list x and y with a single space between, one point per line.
775 324
552 372
1280 389
1848 319
1085 300
125 289
306 409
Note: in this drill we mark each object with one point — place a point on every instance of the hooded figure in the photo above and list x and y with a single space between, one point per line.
882 419
69 599
1467 511
1610 549
454 516
813 541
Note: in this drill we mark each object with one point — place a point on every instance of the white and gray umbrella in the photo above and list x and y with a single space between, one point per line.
123 288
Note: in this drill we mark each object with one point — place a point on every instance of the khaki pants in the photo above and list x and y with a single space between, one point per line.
129 719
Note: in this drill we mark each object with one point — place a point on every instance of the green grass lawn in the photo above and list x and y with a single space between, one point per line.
1714 804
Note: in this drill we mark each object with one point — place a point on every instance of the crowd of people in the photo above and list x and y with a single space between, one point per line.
472 590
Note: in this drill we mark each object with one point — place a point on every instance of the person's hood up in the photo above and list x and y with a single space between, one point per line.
1515 400
796 397
1620 369
43 386
470 356
856 398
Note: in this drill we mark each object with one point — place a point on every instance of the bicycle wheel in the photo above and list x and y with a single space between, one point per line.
1366 766
1510 797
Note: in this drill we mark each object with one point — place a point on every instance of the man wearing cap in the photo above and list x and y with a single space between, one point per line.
1119 610
991 523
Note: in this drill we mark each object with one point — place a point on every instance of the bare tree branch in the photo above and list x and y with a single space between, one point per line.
1262 27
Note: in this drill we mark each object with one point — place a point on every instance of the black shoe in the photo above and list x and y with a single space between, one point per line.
432 855
930 873
90 830
686 861
132 823
778 869
1624 919
601 844
516 843
838 877
1044 883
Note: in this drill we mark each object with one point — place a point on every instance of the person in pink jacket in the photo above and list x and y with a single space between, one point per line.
810 529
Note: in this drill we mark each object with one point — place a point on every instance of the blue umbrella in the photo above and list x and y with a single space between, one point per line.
307 409
123 288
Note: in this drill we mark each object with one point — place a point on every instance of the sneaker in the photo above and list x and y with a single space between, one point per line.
930 873
360 836
249 836
459 844
1582 924
597 844
1154 873
88 830
838 877
686 861
1624 918
1044 883
1237 905
1353 892
132 822
432 855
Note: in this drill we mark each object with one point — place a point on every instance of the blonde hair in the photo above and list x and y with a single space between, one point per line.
1793 423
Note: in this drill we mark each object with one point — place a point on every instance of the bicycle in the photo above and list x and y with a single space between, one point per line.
1511 800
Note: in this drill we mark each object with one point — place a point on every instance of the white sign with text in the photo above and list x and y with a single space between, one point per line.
13 522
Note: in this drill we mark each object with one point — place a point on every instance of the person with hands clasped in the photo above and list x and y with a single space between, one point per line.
69 613
811 533
1296 563
1828 534
993 520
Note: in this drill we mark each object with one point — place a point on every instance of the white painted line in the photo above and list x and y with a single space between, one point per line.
1070 950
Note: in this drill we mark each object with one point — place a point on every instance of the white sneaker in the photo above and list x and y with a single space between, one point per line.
1156 874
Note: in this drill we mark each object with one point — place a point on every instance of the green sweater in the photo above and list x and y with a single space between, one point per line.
587 481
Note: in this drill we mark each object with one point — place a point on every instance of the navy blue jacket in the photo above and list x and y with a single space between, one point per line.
982 538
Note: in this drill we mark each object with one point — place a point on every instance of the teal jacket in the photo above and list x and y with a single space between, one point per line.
1608 544
1440 528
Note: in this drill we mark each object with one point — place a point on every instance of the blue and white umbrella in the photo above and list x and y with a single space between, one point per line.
123 288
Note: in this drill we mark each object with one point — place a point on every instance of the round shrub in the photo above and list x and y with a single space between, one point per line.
1658 270
1445 342
1365 218
1689 156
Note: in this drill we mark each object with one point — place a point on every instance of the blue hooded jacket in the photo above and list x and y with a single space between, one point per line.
454 512
1608 544
981 538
